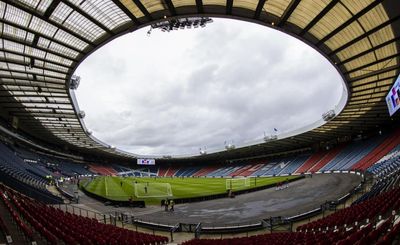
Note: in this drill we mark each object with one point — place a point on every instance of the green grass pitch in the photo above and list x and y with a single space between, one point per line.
123 188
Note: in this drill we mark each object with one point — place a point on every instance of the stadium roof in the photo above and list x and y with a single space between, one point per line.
43 42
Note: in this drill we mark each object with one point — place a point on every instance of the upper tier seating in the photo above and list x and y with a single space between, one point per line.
71 169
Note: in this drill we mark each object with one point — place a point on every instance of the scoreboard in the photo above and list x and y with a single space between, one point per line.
393 97
146 161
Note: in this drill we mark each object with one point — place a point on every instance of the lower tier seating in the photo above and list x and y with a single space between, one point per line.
57 226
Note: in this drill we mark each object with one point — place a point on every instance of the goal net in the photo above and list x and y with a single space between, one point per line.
236 183
143 190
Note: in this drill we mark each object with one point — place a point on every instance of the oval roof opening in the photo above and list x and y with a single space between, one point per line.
191 90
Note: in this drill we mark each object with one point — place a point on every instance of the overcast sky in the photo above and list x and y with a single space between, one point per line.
172 93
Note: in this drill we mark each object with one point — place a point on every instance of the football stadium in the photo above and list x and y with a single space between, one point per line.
334 182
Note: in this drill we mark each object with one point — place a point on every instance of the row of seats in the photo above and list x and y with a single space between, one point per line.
27 231
383 233
58 226
3 230
381 184
23 176
103 170
367 210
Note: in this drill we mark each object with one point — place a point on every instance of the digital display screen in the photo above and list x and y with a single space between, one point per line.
146 162
393 97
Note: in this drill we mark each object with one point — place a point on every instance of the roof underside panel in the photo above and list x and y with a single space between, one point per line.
43 41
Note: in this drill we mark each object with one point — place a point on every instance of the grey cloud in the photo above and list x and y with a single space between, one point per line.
201 88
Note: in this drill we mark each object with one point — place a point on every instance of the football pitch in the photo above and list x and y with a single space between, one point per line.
152 190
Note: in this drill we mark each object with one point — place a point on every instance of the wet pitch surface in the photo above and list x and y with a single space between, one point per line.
301 196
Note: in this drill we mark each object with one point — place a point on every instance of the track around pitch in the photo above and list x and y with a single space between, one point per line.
301 196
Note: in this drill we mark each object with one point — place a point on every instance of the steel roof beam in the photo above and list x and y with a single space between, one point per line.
53 5
46 114
27 65
126 11
394 40
18 83
288 12
364 35
260 7
27 44
143 9
37 35
59 26
2 95
31 73
229 5
375 81
170 6
199 5
319 16
34 57
349 21
390 57
89 17
374 73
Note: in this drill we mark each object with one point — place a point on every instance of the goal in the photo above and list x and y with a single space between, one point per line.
236 183
151 189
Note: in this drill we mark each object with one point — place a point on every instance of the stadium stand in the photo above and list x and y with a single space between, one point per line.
367 210
57 226
374 218
372 221
314 159
67 168
381 233
363 148
43 43
171 171
266 166
25 177
250 171
327 158
205 171
186 172
351 154
387 164
275 167
381 150
293 165
341 157
120 168
223 171
103 170
162 171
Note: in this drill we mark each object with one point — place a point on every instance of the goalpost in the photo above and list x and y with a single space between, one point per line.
236 183
144 190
